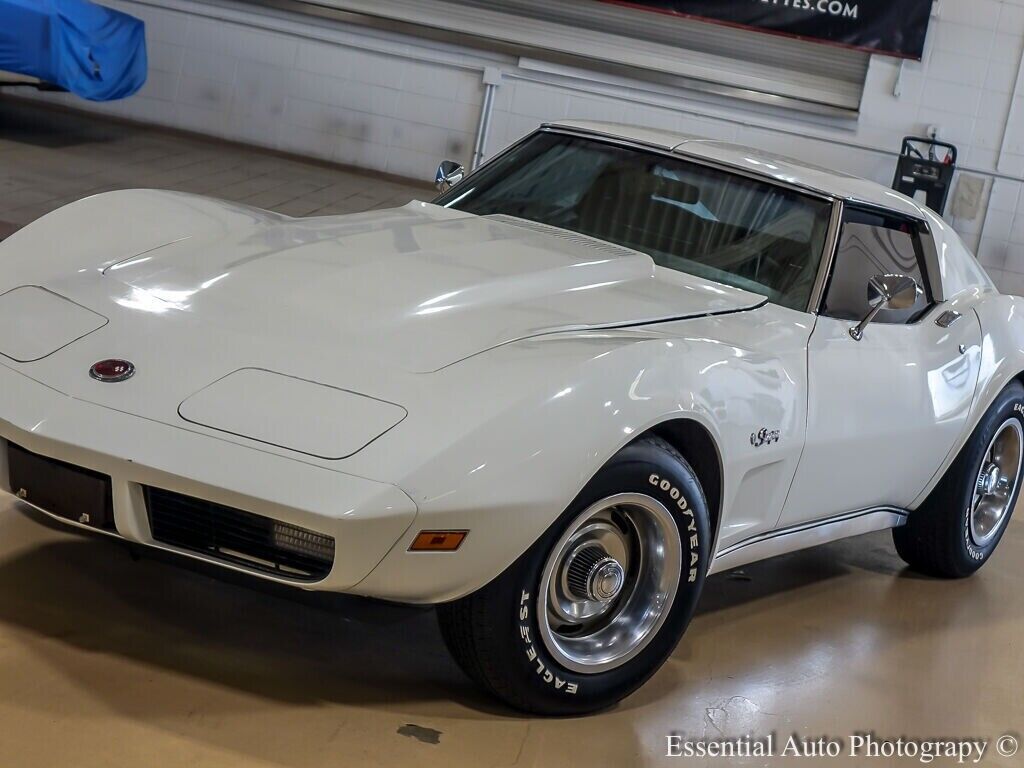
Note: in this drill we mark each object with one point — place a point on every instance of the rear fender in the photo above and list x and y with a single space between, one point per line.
1002 359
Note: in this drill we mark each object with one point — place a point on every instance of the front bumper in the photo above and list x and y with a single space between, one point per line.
365 518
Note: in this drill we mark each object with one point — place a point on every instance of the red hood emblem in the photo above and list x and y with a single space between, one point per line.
112 371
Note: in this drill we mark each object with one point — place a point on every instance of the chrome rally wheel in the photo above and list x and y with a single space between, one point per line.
996 486
608 583
595 607
958 527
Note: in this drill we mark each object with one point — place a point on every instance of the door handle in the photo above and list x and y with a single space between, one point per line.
947 318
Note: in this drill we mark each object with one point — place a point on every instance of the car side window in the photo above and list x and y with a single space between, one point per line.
875 244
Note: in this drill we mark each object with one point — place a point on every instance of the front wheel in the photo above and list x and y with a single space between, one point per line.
597 605
956 530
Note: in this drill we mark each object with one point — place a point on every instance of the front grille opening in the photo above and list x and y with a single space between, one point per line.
241 538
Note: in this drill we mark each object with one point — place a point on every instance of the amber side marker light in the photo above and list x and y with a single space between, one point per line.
438 541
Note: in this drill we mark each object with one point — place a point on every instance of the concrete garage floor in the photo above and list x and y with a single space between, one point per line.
109 662
49 158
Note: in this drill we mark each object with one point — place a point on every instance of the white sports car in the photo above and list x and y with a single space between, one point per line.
551 402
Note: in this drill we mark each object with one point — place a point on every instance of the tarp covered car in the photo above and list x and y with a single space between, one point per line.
92 51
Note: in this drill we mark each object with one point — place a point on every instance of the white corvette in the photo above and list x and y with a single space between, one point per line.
608 363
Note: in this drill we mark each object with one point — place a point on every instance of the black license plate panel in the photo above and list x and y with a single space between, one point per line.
61 489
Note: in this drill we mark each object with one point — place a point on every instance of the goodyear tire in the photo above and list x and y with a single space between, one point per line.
597 605
956 530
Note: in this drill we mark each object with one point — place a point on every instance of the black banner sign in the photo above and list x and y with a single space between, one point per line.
892 27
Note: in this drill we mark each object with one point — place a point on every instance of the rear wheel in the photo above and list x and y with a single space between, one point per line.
595 607
958 527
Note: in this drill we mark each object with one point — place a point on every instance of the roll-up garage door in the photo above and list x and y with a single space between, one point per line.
712 57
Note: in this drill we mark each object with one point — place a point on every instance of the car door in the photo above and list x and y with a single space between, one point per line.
884 411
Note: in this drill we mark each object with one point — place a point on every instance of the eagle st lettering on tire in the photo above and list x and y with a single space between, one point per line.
531 651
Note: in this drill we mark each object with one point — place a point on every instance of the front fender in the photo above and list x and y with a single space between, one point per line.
501 443
98 231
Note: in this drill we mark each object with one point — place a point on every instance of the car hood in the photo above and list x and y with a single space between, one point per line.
207 288
417 288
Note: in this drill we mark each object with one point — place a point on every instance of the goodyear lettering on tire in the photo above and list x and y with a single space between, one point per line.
972 550
681 504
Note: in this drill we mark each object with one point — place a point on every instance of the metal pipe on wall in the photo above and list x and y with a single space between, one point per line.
492 81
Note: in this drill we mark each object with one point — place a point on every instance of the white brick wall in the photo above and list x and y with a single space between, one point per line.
400 104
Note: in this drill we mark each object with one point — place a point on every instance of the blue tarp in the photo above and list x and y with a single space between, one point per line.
92 51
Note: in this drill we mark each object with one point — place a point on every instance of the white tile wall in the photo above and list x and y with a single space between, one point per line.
399 104
326 91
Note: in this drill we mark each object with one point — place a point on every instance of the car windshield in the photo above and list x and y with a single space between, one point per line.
688 217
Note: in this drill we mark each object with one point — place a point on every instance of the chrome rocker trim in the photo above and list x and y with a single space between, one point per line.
806 535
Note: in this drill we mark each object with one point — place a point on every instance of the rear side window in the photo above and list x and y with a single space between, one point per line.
875 244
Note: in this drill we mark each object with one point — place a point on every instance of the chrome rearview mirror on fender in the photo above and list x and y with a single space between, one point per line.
449 173
887 292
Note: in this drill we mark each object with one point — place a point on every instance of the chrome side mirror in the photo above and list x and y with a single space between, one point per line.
449 173
887 292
